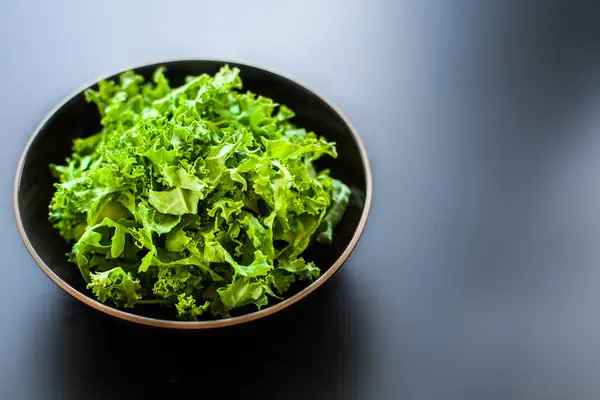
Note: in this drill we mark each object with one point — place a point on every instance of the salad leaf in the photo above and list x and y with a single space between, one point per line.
187 308
340 197
200 197
117 285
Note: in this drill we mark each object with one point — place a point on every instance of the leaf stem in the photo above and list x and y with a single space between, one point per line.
155 301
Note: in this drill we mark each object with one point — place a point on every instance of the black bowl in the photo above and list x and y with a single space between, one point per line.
74 117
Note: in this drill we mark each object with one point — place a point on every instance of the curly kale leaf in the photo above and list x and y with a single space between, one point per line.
201 197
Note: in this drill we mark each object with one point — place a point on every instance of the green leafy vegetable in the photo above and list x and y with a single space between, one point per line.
201 197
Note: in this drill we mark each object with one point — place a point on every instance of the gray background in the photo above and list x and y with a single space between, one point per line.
478 275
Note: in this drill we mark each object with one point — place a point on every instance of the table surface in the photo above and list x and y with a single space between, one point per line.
477 276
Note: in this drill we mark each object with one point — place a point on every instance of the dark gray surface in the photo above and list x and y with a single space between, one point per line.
478 276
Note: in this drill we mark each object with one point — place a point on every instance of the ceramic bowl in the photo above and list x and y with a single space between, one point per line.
75 117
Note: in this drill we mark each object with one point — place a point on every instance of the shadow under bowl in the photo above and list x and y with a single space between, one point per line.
75 117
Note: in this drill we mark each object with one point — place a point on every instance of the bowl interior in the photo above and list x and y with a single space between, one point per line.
77 118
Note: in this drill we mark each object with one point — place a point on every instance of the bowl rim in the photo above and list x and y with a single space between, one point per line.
195 325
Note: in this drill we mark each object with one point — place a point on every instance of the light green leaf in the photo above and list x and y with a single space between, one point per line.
175 202
200 197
